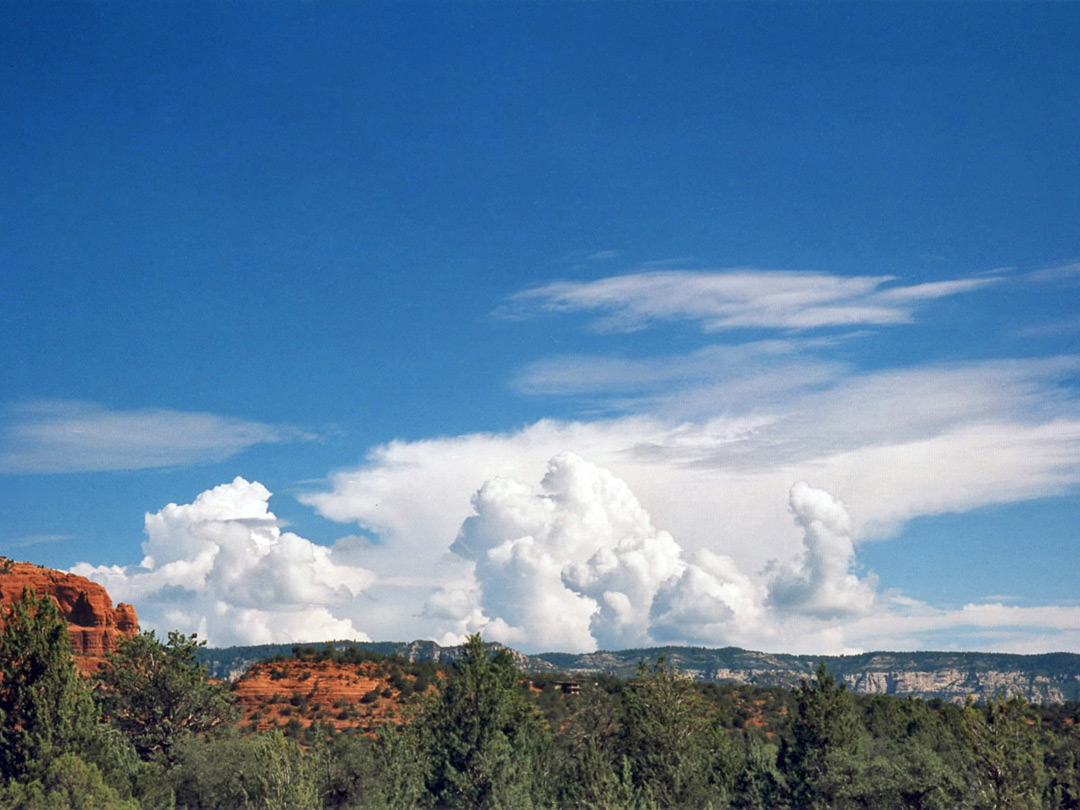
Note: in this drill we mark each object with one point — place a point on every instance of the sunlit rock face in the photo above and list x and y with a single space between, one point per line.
94 624
358 697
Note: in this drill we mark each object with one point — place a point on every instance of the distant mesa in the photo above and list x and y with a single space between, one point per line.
94 625
949 676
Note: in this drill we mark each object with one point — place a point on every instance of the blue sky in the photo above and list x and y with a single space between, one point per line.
579 324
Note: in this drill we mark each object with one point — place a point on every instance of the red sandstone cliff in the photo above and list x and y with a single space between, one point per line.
94 624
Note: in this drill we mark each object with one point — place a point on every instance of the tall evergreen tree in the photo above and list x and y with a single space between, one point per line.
1008 771
822 764
679 755
488 744
758 784
45 708
593 774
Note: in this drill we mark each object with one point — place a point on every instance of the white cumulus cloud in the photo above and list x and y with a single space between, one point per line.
221 566
821 580
577 563
571 565
711 603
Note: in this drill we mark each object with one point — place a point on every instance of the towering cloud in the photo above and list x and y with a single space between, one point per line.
820 582
222 566
579 564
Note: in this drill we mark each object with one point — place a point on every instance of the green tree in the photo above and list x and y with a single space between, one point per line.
913 758
597 783
158 693
345 768
287 779
758 784
1007 765
593 774
1063 766
261 772
488 746
678 753
822 765
385 773
45 708
222 772
403 767
67 783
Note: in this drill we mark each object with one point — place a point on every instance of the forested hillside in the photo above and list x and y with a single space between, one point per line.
150 730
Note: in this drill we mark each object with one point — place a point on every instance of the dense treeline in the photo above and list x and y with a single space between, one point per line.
151 731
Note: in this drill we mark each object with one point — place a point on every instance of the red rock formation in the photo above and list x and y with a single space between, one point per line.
95 626
346 696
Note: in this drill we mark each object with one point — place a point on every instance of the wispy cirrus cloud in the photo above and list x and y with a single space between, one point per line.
1048 329
1060 274
734 299
64 436
39 540
736 375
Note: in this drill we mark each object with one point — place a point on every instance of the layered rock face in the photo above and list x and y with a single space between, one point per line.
345 696
956 684
95 626
951 676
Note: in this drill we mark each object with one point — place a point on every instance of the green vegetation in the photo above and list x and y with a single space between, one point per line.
156 694
45 710
484 743
151 731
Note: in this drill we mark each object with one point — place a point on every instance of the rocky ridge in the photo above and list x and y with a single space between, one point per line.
1051 678
360 696
950 676
95 626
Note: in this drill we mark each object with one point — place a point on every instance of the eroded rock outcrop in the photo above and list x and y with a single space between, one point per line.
346 696
94 624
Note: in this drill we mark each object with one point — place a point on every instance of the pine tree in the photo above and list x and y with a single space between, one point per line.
758 785
1007 768
45 709
487 743
679 755
823 765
